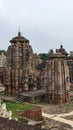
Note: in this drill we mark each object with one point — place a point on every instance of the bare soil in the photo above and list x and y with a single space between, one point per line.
56 109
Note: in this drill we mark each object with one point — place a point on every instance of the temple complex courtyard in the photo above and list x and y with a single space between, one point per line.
54 116
45 87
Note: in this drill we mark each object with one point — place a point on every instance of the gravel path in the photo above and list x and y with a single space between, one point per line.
59 117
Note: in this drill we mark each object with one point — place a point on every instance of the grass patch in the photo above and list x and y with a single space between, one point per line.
17 107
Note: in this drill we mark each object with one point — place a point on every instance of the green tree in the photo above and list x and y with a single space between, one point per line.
50 52
3 51
44 56
71 53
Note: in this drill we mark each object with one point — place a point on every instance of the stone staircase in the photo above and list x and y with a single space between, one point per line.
20 98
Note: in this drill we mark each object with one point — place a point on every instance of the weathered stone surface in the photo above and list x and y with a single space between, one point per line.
21 74
58 84
6 124
2 68
3 111
55 79
34 114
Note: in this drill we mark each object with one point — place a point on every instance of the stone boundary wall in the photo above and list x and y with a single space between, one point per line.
6 124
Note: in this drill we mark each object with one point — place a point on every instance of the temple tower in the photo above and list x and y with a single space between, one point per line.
20 66
58 84
2 68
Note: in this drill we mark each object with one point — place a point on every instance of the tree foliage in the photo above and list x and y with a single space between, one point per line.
3 51
71 53
45 56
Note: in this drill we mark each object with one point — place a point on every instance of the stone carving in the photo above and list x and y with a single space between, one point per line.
3 111
58 89
21 65
2 68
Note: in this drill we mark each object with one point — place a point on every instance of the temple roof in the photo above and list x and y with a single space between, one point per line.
57 55
62 50
60 53
19 38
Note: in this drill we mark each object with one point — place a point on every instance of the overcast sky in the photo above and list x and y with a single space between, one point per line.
45 23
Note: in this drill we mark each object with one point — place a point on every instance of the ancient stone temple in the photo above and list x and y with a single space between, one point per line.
2 68
62 51
57 79
2 61
21 73
28 78
69 59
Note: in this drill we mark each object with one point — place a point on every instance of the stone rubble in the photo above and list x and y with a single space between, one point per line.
3 111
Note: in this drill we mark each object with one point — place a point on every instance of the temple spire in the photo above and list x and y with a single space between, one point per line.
61 46
19 33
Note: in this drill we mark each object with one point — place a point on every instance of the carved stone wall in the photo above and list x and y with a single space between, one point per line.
2 68
24 74
21 74
58 83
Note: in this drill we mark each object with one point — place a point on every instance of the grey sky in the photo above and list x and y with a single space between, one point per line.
46 23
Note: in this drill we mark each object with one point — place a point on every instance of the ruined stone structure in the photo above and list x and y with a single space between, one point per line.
27 77
3 111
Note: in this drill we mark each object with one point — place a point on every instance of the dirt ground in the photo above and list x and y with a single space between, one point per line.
57 109
53 125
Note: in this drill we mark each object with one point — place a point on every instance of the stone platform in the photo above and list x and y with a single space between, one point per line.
38 95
